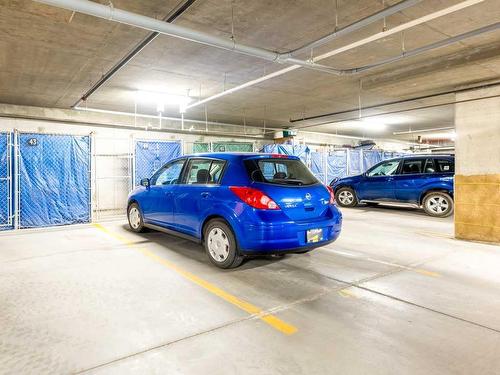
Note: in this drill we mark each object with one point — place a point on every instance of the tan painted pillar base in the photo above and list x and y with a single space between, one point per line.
477 207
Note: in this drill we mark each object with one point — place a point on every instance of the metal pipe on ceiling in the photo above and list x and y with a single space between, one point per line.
184 5
402 5
359 43
114 14
429 47
171 17
423 131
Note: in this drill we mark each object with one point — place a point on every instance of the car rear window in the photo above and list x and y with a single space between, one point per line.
445 165
280 172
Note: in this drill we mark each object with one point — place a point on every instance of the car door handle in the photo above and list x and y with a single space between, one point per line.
205 194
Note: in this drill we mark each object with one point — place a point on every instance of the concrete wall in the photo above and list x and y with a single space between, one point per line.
477 180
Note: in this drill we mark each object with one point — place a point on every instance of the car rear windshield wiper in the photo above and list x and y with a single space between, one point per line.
289 181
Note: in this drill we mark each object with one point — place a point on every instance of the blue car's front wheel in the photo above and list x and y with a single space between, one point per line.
135 218
220 244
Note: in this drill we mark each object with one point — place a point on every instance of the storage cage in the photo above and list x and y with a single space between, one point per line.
53 180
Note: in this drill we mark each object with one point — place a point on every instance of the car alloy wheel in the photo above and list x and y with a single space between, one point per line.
218 244
346 197
438 204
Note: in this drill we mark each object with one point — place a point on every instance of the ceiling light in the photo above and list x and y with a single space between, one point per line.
162 99
440 135
372 124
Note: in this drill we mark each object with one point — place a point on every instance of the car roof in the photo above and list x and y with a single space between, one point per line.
420 156
237 155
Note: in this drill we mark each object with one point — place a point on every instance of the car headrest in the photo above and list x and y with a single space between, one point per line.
203 176
279 176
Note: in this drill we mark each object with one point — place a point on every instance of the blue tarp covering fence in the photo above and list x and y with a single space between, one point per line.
336 165
302 151
151 155
5 181
328 165
54 179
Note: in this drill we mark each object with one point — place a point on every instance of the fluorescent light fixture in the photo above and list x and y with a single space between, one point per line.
372 124
440 135
163 99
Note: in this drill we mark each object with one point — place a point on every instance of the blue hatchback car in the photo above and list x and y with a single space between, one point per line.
417 180
237 205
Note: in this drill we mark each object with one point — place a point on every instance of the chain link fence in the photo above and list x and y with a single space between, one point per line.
5 180
112 177
200 147
151 155
54 184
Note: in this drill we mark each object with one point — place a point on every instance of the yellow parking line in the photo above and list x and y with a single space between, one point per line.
347 293
427 273
272 320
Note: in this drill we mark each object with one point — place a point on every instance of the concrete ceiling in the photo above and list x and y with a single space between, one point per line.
49 59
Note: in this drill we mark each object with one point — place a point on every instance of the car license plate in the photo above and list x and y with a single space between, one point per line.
314 235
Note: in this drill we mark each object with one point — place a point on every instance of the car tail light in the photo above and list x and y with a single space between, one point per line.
254 198
332 194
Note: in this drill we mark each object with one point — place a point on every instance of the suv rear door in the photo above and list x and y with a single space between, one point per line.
414 174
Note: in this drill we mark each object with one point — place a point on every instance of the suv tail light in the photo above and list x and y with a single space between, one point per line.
332 194
254 198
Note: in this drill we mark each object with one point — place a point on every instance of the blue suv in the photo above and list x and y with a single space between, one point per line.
418 180
237 205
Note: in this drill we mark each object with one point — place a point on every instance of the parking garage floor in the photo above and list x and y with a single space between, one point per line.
395 294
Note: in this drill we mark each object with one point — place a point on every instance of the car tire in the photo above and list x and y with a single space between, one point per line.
220 244
346 197
134 216
438 204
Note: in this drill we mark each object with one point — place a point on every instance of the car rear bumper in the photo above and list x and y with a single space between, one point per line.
286 237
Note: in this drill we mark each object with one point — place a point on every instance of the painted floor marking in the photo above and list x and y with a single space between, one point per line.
251 309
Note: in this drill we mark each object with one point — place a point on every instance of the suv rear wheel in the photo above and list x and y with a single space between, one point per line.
220 244
438 204
346 197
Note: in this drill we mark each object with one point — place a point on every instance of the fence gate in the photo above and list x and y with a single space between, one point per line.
112 176
54 179
151 155
5 181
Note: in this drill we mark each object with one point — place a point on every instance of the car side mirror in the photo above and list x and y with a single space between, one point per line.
145 182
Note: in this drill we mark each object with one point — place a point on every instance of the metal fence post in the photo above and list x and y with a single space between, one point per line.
16 180
92 165
348 160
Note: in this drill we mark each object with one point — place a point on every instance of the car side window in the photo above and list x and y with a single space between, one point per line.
204 171
429 166
445 166
385 169
169 174
412 166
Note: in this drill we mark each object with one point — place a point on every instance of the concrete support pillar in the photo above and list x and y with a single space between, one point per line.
477 176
